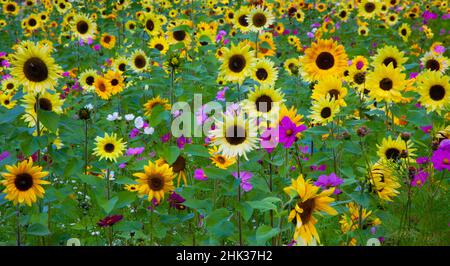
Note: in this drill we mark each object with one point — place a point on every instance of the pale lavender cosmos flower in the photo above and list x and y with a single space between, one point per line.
245 180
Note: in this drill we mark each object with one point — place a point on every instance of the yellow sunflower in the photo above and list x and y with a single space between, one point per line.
265 72
139 61
389 55
109 147
383 182
234 135
331 86
47 102
264 103
108 41
292 66
23 182
324 58
34 68
131 187
385 83
83 27
9 85
150 104
121 64
308 202
259 18
116 81
434 90
350 222
219 160
160 44
155 181
238 63
240 19
7 101
152 24
368 8
102 88
324 110
435 62
87 80
392 149
10 8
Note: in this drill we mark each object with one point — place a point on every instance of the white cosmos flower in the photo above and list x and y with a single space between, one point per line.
149 130
138 122
129 117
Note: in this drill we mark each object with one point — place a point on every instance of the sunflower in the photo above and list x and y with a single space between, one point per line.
323 58
121 64
391 150
116 81
259 18
350 221
83 27
291 113
357 79
7 101
152 24
155 181
47 102
383 182
389 55
109 147
130 25
240 21
265 72
32 22
9 85
219 160
363 30
34 68
435 62
264 103
324 110
150 104
331 86
139 61
102 88
178 34
385 83
234 135
238 63
160 44
404 31
391 19
343 14
23 182
308 202
292 66
368 8
434 90
108 41
132 187
87 79
178 168
10 8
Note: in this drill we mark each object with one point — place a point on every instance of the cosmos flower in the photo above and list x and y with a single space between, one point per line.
244 177
199 174
288 131
110 220
329 181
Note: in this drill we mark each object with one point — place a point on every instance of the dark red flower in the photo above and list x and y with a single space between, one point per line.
110 220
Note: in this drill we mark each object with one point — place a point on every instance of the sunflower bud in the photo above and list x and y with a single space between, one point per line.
84 114
405 136
362 131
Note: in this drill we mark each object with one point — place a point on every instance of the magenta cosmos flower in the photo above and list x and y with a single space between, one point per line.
245 180
110 220
288 130
326 182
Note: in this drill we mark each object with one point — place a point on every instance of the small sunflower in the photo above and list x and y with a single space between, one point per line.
391 149
259 18
83 27
87 79
102 87
109 147
264 103
435 62
238 63
292 66
108 41
139 61
324 58
389 55
10 8
7 101
368 8
160 44
24 182
132 187
240 17
332 87
116 81
155 181
324 110
152 24
385 83
265 72
383 182
219 160
150 104
121 64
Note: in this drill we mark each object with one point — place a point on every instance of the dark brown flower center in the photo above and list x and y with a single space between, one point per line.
308 208
35 69
262 74
293 68
403 32
44 104
264 103
90 80
149 25
392 153
343 14
334 94
32 22
326 112
122 67
102 87
159 46
243 21
259 20
179 35
235 135
369 7
221 159
359 78
237 63
437 92
325 61
433 65
179 165
11 8
389 60
23 182
107 39
10 86
139 61
109 147
114 82
82 27
156 182
386 84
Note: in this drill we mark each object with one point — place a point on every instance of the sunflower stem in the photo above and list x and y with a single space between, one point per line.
270 189
239 201
256 44
107 185
18 224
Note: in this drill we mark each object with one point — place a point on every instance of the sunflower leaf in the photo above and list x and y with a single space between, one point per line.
49 119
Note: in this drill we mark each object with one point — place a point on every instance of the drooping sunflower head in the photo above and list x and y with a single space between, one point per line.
324 58
238 63
383 182
332 87
109 147
324 110
234 135
259 18
23 182
152 103
139 61
155 181
34 68
83 27
434 90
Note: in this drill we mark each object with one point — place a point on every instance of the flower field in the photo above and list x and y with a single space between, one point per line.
218 122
